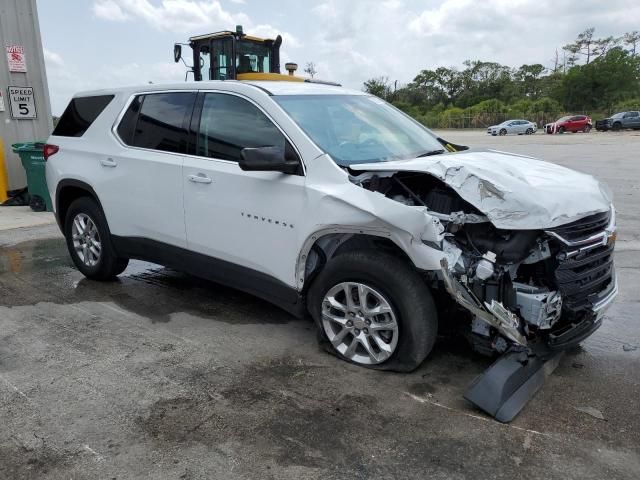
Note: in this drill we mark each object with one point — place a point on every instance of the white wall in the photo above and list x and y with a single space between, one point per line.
19 26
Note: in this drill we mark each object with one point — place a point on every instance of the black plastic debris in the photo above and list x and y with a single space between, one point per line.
507 386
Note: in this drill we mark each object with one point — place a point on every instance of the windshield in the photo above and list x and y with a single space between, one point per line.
359 128
563 119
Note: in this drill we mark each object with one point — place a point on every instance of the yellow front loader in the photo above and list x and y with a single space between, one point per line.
231 55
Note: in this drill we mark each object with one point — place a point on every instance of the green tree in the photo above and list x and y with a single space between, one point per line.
601 83
631 40
594 74
529 78
380 87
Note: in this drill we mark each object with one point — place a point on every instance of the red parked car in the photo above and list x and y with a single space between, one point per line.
570 123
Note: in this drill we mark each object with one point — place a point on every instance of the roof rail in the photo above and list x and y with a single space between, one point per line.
322 82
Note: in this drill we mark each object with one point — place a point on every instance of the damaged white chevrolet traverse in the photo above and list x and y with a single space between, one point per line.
331 202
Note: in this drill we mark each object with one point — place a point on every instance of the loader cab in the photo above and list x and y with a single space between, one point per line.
231 55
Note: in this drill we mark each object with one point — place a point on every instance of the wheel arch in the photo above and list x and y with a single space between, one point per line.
324 245
69 190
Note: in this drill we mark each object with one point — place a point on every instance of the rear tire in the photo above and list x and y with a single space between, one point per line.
89 241
587 129
384 279
529 131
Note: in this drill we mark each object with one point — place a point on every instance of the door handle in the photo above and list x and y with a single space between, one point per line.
200 178
108 162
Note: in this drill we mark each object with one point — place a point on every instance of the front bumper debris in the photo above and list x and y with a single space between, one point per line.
494 313
506 387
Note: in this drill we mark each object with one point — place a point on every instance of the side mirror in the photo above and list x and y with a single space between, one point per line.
177 52
267 159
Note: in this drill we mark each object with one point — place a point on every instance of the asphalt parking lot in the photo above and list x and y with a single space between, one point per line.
162 375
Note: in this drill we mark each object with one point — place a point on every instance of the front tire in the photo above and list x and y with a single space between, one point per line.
561 130
89 241
617 127
374 310
503 132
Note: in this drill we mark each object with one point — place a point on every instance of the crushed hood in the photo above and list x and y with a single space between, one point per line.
513 191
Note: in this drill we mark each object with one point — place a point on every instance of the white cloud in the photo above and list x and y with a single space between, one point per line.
186 17
358 39
52 58
136 74
349 41
109 10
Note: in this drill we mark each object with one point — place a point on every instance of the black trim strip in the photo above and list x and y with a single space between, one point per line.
70 182
219 271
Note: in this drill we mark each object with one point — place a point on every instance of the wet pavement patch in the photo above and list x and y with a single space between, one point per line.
41 271
41 461
265 408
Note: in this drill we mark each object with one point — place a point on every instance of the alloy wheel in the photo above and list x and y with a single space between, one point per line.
86 240
360 323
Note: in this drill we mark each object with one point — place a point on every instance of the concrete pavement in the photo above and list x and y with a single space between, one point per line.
22 217
161 375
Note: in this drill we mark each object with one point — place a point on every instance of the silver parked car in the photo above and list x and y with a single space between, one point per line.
518 127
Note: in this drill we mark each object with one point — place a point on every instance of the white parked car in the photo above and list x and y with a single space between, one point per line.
331 202
513 127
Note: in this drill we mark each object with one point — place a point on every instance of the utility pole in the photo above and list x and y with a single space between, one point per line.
25 109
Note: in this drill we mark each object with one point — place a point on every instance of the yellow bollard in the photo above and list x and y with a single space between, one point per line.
4 179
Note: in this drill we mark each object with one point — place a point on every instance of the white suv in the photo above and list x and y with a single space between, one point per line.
330 201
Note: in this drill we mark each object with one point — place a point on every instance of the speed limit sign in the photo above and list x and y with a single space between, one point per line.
23 105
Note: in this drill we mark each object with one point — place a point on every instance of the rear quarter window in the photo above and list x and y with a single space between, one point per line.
80 114
158 121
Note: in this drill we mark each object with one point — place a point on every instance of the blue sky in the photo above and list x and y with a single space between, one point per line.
92 44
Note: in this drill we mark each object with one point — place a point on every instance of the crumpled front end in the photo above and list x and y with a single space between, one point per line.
523 293
544 290
546 303
530 295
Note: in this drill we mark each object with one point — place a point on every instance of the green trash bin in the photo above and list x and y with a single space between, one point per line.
32 157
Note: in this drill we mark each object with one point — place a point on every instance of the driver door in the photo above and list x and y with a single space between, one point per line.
246 221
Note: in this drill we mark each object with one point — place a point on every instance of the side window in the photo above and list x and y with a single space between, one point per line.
127 126
158 121
80 114
205 62
221 61
229 123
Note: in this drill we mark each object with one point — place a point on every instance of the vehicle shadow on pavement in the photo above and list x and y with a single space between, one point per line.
41 271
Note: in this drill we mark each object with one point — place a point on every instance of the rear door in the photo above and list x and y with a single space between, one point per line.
142 181
522 126
246 220
632 120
